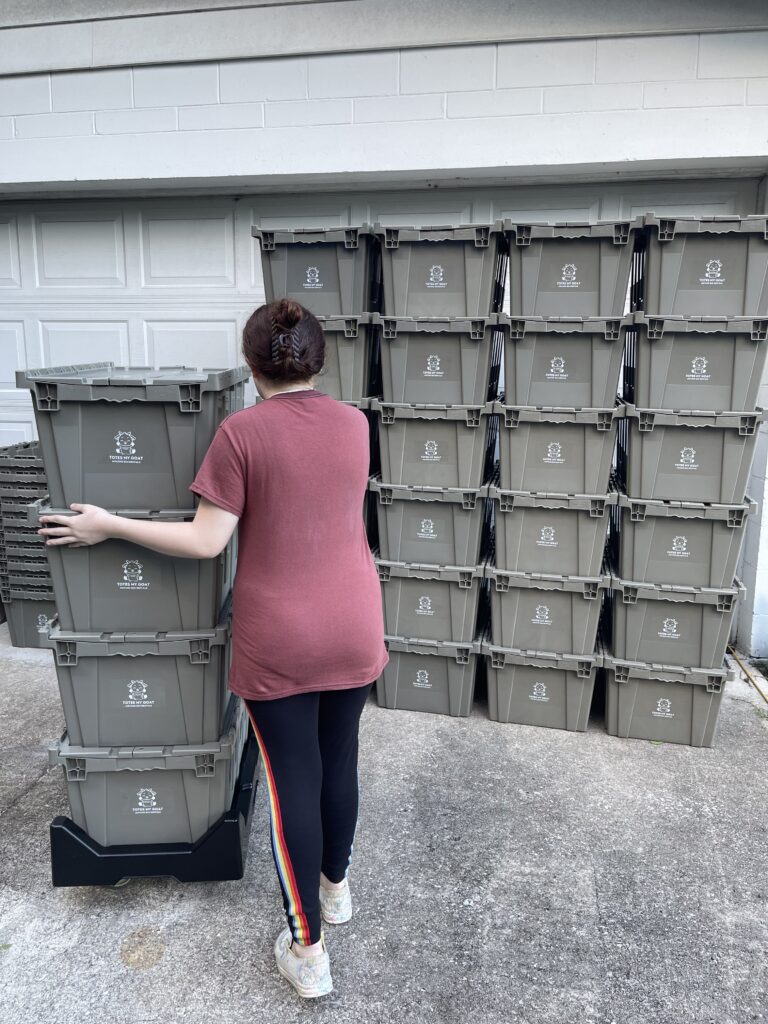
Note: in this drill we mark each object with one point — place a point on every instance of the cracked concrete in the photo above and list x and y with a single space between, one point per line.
502 874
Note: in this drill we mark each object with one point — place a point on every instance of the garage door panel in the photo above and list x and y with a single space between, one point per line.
192 343
17 424
180 250
86 341
79 252
9 253
419 211
567 208
13 356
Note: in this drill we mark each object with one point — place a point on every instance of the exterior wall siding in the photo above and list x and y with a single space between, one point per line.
517 107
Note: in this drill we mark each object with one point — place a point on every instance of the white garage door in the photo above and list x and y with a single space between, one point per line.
171 282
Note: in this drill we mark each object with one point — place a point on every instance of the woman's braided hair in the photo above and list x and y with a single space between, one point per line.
284 343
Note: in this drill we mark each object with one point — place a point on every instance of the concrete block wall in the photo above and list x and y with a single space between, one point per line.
527 106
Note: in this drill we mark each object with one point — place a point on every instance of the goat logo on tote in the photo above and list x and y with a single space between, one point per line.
422 680
554 456
713 272
42 622
137 689
425 606
431 452
427 530
312 278
125 447
669 630
679 547
133 576
698 371
663 708
437 277
138 695
539 692
146 802
568 276
687 459
557 369
541 616
433 367
547 537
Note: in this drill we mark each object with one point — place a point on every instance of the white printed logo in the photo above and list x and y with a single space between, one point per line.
138 695
541 616
713 270
431 449
568 276
663 708
547 537
137 689
557 369
422 679
312 278
698 369
147 802
669 630
554 456
687 459
433 367
436 277
679 548
133 578
427 530
425 606
42 622
125 447
539 692
125 441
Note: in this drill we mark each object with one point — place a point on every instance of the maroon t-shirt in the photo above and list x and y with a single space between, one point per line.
307 609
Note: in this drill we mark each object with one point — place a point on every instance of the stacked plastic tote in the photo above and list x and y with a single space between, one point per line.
563 345
695 358
25 582
335 273
153 740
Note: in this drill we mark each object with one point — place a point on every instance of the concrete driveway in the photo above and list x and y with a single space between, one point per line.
502 874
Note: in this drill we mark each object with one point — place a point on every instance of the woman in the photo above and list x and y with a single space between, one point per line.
307 630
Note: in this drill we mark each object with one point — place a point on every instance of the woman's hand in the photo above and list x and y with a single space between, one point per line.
91 525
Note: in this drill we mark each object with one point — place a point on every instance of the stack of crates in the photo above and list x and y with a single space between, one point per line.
563 349
336 274
25 582
440 361
153 740
695 358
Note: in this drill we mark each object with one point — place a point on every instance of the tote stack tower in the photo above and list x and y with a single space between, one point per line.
694 362
159 777
440 359
563 345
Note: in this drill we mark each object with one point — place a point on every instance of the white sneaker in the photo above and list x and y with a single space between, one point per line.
336 904
311 975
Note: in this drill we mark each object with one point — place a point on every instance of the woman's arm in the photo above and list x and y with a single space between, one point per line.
205 537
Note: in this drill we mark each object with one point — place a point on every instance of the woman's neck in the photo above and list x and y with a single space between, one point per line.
268 390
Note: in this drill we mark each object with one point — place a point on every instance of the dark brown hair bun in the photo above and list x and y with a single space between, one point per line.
284 343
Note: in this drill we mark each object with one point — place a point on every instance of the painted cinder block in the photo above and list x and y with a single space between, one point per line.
352 74
176 85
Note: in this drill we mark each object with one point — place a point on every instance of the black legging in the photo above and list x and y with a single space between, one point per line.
309 747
